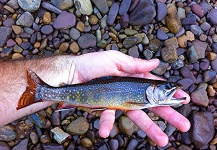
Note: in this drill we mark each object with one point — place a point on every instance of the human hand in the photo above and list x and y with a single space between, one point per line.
114 63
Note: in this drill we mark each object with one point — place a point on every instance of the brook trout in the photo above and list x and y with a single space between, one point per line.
123 93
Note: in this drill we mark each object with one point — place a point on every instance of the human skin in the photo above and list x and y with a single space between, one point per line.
77 69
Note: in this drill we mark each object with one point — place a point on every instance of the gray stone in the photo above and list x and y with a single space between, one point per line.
161 10
130 41
74 33
101 5
29 5
113 13
169 54
4 36
64 20
124 7
192 55
26 20
13 4
50 7
199 95
200 48
87 40
4 146
161 69
21 145
211 16
7 133
62 4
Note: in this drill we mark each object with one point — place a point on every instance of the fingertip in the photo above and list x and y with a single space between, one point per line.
103 133
162 140
180 94
186 126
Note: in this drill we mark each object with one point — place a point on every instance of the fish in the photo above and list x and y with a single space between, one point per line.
118 93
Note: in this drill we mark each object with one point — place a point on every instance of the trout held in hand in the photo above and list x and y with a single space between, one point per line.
123 93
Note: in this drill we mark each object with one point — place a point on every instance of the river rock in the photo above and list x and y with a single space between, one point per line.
4 36
113 13
161 68
79 126
198 10
202 129
213 65
143 14
62 4
85 6
211 16
124 7
169 54
21 145
87 40
173 23
199 95
185 72
64 20
192 54
130 41
101 5
52 146
132 144
200 48
7 133
127 126
4 146
171 42
50 7
154 45
209 75
47 29
124 20
59 135
186 82
161 35
29 5
26 20
161 10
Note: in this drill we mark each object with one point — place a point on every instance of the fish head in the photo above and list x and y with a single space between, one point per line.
162 94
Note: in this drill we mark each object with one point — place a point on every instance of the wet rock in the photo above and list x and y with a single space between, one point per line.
13 4
161 10
59 135
161 69
93 19
169 54
148 54
113 13
114 131
182 40
86 142
199 95
181 13
171 42
126 125
7 133
64 47
209 75
101 5
34 137
133 51
190 36
173 23
186 82
39 120
74 47
143 14
130 31
4 36
192 54
4 146
50 7
113 143
21 145
132 144
9 22
185 110
79 126
202 130
177 64
6 52
74 33
124 20
52 146
196 30
47 29
26 20
198 10
64 20
213 65
47 18
211 16
90 41
169 129
62 4
124 7
154 45
161 35
29 5
185 72
130 41
84 6
185 147
205 26
200 48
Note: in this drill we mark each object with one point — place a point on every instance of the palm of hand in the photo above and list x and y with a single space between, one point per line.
114 63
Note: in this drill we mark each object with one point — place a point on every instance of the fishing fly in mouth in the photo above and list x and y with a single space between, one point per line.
121 93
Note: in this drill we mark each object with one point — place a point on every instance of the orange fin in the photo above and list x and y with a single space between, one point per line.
135 103
28 97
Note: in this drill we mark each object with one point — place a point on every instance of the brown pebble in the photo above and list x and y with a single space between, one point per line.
210 90
173 23
211 55
190 36
37 44
182 40
45 139
18 41
11 10
80 26
14 16
150 141
203 37
47 18
93 19
171 9
17 56
17 29
74 47
64 46
86 142
43 44
113 36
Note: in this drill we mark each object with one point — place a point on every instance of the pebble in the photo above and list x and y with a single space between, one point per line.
177 64
205 26
126 125
114 131
47 18
64 46
47 29
79 126
74 47
196 30
74 33
10 43
143 14
211 91
161 69
133 51
90 41
59 135
211 16
148 54
181 13
17 29
192 54
52 146
173 23
8 133
21 145
113 143
62 4
34 137
161 10
85 6
43 44
64 20
124 7
182 40
130 41
101 5
132 144
189 20
4 146
16 56
80 26
154 45
198 10
186 83
211 56
93 20
202 130
124 20
171 42
39 120
169 54
185 72
9 22
199 95
161 35
129 31
190 36
26 20
29 5
4 36
50 7
13 4
112 13
209 75
200 48
86 142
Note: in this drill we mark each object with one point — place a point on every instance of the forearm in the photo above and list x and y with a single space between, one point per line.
53 70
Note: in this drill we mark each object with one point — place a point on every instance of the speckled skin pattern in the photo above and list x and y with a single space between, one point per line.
114 93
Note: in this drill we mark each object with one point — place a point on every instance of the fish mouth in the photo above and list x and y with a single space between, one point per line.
173 100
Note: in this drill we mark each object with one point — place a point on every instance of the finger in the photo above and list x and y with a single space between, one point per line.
173 117
107 119
141 119
180 94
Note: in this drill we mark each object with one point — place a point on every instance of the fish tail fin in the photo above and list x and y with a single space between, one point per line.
29 96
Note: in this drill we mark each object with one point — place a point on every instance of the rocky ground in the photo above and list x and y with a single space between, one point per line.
181 33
